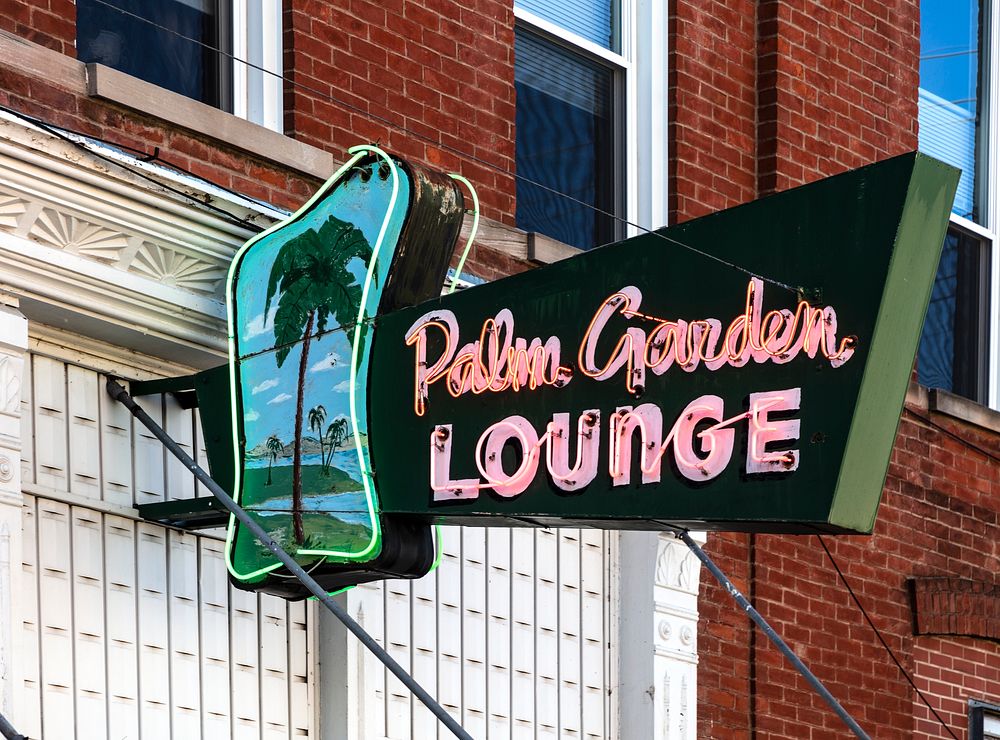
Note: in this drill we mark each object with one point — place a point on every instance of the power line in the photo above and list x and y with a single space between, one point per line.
949 55
881 639
427 139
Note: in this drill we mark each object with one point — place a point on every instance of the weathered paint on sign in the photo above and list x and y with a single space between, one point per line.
742 371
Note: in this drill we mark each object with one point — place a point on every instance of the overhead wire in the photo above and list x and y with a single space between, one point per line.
465 155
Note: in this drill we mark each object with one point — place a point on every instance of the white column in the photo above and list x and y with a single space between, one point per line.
635 617
675 639
13 346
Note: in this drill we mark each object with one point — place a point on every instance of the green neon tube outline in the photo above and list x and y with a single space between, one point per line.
357 152
439 546
472 233
366 475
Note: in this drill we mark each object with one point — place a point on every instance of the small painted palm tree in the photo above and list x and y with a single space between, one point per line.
311 281
336 433
274 448
317 415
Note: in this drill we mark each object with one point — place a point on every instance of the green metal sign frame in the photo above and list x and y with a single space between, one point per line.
742 371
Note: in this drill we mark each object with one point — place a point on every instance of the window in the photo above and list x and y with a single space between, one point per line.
591 91
954 127
566 140
984 721
188 46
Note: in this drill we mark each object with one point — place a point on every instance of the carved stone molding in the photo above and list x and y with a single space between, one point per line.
79 236
676 566
675 643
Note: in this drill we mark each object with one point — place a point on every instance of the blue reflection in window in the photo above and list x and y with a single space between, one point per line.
594 21
949 90
130 42
565 142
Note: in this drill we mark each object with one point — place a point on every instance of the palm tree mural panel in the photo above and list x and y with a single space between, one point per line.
298 294
303 298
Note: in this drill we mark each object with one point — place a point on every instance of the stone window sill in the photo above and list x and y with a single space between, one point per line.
948 404
117 87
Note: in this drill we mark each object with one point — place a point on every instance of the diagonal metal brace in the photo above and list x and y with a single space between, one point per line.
117 392
8 731
773 636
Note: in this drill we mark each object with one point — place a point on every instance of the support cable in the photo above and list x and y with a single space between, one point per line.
118 393
881 639
8 731
773 636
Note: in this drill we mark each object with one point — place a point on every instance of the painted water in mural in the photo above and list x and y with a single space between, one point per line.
297 296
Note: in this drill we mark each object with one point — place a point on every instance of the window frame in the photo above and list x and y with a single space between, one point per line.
979 711
249 30
987 197
988 182
257 38
641 103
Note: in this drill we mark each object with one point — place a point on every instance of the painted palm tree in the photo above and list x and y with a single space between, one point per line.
336 433
311 281
274 448
316 417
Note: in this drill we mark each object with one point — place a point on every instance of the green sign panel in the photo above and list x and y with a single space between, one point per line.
742 371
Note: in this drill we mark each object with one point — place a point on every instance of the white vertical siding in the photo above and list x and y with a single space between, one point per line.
130 629
512 634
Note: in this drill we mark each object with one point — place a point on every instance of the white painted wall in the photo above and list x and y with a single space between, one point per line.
129 629
513 634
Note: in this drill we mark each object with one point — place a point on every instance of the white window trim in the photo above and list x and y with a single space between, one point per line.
988 180
256 29
989 165
643 64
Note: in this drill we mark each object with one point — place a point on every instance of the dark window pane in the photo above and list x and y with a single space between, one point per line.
949 90
153 54
565 141
952 353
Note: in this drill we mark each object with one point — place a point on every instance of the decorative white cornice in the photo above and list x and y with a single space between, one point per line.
92 246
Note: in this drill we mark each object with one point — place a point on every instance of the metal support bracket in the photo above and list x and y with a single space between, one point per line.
118 393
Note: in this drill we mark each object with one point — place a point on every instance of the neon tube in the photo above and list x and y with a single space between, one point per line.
472 232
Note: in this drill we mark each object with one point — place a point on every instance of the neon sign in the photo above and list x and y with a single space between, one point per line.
745 370
302 299
742 371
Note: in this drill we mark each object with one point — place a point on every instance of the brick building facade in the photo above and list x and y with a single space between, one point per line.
759 97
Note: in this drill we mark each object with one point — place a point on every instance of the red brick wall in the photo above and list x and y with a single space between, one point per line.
939 517
837 86
51 23
772 94
442 69
765 97
950 671
712 106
